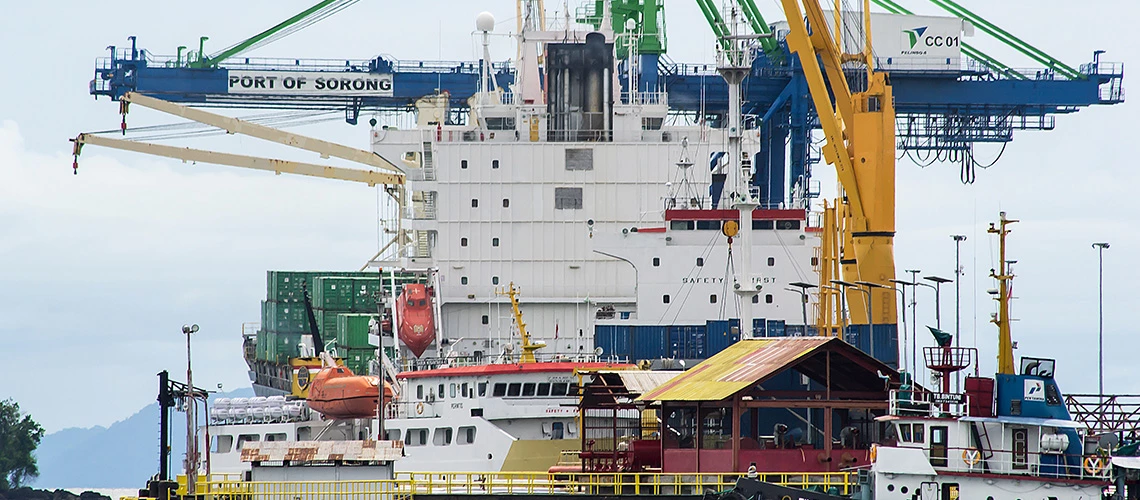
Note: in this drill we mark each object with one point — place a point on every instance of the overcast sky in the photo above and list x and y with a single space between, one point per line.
100 270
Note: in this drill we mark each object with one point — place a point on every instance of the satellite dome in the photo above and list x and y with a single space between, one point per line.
485 21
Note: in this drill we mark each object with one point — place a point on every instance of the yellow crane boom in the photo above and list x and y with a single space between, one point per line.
860 142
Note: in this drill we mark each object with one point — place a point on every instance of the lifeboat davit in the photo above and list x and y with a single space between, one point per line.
337 393
417 322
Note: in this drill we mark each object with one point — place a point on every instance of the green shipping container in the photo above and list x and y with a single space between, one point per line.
352 330
285 318
358 360
262 341
282 346
333 293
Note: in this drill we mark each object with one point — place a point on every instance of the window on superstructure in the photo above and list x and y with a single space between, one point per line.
506 203
463 390
938 441
579 159
815 261
462 163
528 389
755 299
474 203
771 261
440 392
482 389
462 242
919 433
681 225
442 436
416 437
513 390
712 299
567 198
768 299
904 433
501 123
499 391
665 299
494 280
486 319
657 262
543 389
1020 447
494 163
392 434
700 262
223 444
466 435
559 389
494 242
420 391
787 224
276 436
649 123
463 280
452 387
707 225
761 224
557 430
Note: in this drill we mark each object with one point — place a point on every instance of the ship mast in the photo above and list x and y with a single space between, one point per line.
528 348
734 61
1004 277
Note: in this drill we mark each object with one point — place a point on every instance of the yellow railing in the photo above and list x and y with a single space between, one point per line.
408 484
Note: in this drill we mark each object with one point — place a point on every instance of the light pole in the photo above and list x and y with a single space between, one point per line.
802 289
869 285
958 239
938 281
191 418
1100 247
914 318
905 284
902 348
845 285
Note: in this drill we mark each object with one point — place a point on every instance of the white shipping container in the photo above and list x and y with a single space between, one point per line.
906 43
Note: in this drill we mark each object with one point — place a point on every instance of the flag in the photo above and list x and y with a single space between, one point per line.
556 330
942 338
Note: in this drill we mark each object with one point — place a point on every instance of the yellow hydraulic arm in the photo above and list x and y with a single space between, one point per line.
860 143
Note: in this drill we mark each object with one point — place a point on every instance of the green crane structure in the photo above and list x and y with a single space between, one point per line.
303 19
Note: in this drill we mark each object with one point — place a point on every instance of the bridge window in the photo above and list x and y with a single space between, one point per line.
499 391
787 224
681 225
514 389
904 433
919 433
559 389
708 225
543 389
528 389
567 198
442 436
466 435
482 389
761 224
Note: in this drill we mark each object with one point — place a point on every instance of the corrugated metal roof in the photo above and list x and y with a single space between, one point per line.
643 381
737 367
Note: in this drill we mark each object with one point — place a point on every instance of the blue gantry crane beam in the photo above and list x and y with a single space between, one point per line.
941 113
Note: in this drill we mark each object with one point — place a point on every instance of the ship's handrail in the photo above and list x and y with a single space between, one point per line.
1004 462
913 402
409 484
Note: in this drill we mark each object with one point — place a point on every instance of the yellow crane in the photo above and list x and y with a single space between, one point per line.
859 129
528 348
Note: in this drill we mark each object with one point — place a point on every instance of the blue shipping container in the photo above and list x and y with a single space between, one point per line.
776 328
759 327
614 340
719 334
650 342
687 342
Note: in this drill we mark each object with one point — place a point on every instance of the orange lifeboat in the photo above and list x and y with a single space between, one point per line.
337 393
417 321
